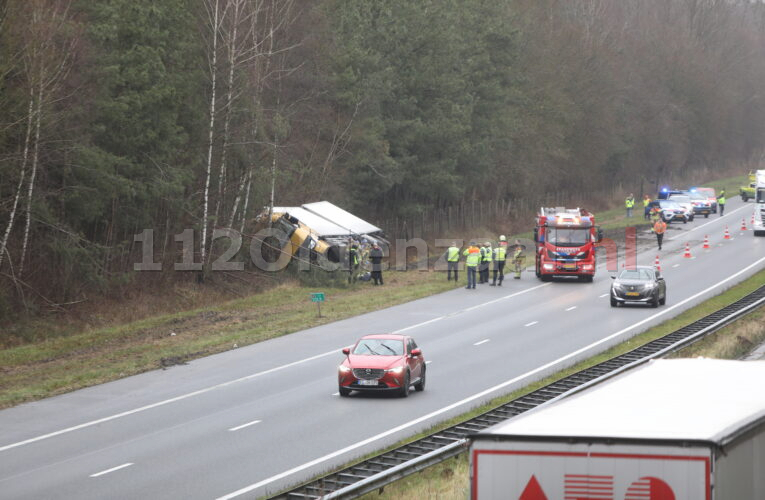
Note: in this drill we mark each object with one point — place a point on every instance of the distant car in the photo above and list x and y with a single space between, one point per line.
684 201
701 205
665 193
643 284
671 211
710 194
380 363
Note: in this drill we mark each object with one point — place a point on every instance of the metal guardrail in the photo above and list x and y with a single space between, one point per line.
376 472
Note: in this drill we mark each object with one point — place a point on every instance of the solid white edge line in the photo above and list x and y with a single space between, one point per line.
111 470
469 399
482 342
245 425
224 384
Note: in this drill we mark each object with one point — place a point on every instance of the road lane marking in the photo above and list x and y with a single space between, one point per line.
706 223
532 323
604 295
483 304
571 308
247 424
335 393
230 382
479 395
428 362
482 342
111 470
676 265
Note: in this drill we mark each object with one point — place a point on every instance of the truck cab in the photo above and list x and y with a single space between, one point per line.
748 192
759 199
565 243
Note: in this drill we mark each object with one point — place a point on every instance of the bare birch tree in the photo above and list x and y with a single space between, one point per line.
47 55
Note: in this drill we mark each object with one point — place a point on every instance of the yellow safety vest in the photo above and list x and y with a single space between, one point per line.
500 253
486 254
453 254
473 256
629 202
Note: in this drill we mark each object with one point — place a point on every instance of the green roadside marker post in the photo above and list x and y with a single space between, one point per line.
317 297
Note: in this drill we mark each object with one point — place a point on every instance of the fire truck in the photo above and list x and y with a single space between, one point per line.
565 243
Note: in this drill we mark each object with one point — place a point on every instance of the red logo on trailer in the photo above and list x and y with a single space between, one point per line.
588 487
649 488
533 491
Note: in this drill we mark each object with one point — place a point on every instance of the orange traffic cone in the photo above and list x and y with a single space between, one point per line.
743 223
727 234
687 253
706 242
657 265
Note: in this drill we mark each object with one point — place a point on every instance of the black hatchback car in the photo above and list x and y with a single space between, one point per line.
641 285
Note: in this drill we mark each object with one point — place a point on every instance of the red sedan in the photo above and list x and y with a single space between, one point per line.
378 363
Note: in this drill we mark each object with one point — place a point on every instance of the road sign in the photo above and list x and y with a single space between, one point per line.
317 297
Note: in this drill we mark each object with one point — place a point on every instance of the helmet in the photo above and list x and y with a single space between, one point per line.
488 243
502 237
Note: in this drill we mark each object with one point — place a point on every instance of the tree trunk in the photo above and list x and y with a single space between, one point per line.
22 176
214 70
35 156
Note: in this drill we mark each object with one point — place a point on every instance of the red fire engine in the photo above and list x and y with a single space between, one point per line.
565 243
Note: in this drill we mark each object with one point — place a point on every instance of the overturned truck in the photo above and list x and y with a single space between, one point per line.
322 229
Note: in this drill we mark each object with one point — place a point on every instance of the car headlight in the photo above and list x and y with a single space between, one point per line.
395 370
617 286
548 267
649 286
343 369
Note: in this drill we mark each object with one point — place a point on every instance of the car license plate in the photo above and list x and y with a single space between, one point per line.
633 294
368 382
569 267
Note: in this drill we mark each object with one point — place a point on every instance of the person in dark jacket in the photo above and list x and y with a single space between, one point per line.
375 257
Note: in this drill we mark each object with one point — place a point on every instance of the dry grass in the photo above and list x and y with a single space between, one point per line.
95 355
445 481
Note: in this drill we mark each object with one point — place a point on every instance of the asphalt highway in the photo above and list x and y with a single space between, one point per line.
254 420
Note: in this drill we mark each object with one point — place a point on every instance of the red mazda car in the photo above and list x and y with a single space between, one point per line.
386 362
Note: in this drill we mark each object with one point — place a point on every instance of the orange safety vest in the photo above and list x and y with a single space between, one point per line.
659 227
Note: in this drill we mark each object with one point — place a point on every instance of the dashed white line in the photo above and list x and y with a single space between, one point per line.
571 308
336 394
676 265
604 295
476 396
235 381
247 424
428 362
532 323
111 470
482 342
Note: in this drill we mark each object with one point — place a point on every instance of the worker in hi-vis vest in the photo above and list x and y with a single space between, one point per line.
452 257
500 254
629 203
472 261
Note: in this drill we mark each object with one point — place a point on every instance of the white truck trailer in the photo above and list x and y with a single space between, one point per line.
685 429
759 203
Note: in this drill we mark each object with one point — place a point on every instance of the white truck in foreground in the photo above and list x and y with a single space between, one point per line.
684 429
759 203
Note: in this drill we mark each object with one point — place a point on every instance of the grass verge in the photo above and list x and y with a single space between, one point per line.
62 364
